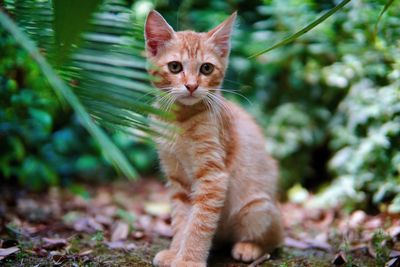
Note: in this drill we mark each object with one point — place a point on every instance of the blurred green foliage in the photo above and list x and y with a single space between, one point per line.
43 142
329 103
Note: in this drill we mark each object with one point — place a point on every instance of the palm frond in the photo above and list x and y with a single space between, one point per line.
109 71
105 67
36 19
71 18
113 153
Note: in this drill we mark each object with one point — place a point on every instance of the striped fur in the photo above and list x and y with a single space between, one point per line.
222 182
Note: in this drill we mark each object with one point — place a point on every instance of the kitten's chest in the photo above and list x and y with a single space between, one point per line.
179 150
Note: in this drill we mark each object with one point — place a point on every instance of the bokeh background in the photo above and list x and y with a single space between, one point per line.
328 103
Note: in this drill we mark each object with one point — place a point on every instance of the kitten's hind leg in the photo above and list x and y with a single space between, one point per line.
258 229
246 251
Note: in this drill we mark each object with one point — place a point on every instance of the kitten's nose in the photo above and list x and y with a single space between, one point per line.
191 87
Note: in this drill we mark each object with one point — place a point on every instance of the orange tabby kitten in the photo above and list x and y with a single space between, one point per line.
223 183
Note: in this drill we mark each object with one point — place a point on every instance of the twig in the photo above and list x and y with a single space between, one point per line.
260 260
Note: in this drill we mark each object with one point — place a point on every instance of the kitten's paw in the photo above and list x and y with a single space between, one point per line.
181 263
246 251
164 258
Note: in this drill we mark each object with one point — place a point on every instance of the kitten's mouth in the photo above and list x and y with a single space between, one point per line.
189 97
189 100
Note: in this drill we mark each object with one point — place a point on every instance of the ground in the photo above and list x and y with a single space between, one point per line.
126 223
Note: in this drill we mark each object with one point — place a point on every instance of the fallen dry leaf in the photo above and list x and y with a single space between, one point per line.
39 252
357 218
260 260
360 247
339 259
92 223
104 220
138 235
326 220
59 259
102 198
158 209
109 210
307 244
318 244
53 243
373 223
86 252
290 242
120 245
5 252
394 254
87 224
163 229
120 231
395 232
144 222
395 262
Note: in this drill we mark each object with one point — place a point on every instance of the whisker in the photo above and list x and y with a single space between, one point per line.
220 110
146 94
236 82
166 90
152 99
214 113
170 102
230 89
206 101
218 103
221 102
236 93
164 101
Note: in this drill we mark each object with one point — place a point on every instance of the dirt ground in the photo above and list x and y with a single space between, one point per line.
126 223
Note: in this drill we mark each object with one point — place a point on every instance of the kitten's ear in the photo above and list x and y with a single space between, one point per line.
157 32
221 34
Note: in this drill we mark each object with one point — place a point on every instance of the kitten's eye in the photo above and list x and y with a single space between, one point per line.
175 67
207 68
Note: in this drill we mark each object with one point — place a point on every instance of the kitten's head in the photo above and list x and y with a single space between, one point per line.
188 65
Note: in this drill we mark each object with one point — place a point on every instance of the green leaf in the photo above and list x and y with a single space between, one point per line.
71 18
36 173
86 163
385 8
17 147
113 153
304 30
41 117
79 190
127 216
394 207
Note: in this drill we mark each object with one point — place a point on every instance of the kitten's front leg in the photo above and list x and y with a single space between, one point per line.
179 216
208 197
179 192
180 213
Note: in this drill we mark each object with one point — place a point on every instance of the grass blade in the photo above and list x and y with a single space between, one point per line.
385 8
304 30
